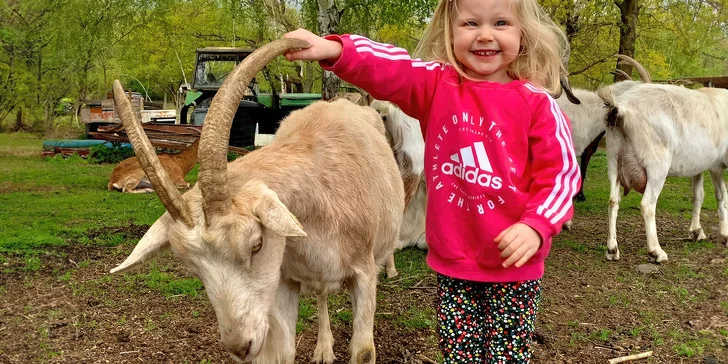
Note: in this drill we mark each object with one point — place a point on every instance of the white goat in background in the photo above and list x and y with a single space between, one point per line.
655 131
238 228
405 136
587 118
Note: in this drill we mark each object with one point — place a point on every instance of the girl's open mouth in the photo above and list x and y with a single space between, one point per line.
486 53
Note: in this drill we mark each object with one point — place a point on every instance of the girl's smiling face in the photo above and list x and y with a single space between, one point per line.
486 38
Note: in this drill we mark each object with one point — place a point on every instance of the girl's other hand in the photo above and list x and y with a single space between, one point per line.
321 49
518 244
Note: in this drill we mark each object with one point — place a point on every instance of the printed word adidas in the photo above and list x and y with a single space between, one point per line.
466 169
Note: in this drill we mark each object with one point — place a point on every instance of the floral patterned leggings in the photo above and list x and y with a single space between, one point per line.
486 322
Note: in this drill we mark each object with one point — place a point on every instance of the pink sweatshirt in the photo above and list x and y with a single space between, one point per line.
495 154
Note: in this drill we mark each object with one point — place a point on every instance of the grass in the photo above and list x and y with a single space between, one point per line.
170 285
52 202
20 145
49 204
418 318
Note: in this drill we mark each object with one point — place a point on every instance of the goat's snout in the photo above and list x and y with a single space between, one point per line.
240 349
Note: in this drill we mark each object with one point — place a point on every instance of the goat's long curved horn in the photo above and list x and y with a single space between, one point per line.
212 177
564 79
621 73
644 75
567 88
145 153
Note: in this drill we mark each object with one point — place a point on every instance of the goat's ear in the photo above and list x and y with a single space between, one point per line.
275 215
153 242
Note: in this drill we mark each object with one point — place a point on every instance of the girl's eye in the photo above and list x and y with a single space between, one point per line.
501 23
471 24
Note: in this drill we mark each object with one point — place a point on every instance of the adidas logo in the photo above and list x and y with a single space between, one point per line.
466 169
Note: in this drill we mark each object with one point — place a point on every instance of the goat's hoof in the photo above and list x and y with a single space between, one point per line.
392 273
659 255
568 225
365 357
697 234
580 197
323 356
613 254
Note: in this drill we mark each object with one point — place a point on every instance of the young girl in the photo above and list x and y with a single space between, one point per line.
499 160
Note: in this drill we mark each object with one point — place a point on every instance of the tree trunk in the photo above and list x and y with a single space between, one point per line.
572 26
328 18
308 76
48 117
19 126
629 12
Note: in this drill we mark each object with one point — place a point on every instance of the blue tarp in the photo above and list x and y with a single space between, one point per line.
77 143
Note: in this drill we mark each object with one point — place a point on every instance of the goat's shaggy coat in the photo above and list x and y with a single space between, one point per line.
409 151
658 130
319 207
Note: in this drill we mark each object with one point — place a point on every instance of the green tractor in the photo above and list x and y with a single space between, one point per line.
257 112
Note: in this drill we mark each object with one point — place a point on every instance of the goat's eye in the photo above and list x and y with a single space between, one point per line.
257 246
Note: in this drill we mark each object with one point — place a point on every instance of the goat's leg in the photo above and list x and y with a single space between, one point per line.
584 161
613 145
655 182
696 231
721 197
583 164
390 268
363 289
421 241
324 352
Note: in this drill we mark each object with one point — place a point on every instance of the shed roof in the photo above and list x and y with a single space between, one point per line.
710 81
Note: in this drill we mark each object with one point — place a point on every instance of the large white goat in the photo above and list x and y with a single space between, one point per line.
587 117
319 207
409 151
655 131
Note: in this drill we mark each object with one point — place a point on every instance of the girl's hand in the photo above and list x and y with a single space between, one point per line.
321 49
518 243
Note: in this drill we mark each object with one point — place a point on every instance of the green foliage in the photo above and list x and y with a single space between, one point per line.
101 154
231 156
57 54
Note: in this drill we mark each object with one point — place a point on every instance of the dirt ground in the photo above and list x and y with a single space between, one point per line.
89 316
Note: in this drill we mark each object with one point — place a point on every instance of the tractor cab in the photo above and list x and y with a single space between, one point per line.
256 111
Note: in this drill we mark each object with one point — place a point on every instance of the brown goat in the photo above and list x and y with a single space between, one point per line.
129 176
317 209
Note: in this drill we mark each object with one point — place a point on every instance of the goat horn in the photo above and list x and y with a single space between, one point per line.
564 79
644 75
566 87
621 73
145 153
212 177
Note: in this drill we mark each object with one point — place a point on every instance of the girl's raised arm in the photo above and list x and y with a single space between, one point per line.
384 71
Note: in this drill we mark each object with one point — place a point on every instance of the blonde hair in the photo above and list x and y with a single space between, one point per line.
543 44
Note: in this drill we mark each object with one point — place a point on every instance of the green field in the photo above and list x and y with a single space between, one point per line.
61 231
